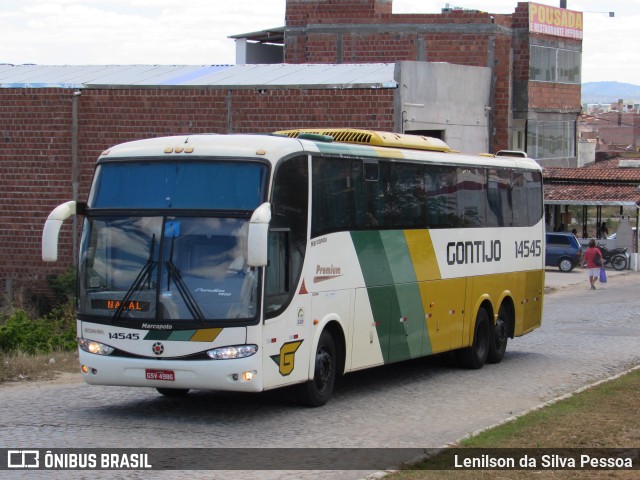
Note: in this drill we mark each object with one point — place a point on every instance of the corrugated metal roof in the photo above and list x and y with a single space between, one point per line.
370 75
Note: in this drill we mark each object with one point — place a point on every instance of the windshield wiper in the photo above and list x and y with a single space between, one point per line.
145 274
189 301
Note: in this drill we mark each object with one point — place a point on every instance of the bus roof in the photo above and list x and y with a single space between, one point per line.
341 142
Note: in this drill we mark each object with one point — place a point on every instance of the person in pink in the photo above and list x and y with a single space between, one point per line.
589 261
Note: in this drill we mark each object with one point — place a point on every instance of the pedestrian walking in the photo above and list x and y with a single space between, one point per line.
592 260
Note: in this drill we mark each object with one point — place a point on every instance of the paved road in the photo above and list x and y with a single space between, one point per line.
555 279
586 336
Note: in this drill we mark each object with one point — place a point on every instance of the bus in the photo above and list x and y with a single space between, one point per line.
252 262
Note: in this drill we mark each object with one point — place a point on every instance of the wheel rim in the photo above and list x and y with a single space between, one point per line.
565 265
324 368
500 334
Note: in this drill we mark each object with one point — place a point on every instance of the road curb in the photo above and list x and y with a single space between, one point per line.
546 404
435 451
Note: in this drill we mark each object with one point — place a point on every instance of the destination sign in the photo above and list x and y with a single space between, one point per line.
107 304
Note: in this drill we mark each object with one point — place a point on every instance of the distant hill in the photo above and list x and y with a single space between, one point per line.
609 92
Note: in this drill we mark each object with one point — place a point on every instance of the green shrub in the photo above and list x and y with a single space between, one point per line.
63 286
54 332
62 289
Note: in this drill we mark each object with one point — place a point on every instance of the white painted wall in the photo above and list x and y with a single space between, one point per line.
443 96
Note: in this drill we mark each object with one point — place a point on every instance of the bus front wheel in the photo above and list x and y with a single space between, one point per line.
316 392
475 356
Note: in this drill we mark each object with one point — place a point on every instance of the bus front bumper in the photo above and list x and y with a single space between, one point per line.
239 375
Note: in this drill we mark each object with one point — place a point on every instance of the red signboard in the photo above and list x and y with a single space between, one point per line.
558 22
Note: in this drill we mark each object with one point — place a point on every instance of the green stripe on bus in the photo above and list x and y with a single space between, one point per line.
393 293
377 275
409 297
182 335
398 256
411 313
157 335
373 258
178 336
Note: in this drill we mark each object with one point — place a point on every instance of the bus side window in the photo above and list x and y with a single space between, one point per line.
499 208
442 202
287 233
472 196
337 189
277 274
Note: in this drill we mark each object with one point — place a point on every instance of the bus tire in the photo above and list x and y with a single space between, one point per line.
499 338
316 392
173 392
475 356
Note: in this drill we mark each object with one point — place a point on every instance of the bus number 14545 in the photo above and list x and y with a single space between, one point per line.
526 248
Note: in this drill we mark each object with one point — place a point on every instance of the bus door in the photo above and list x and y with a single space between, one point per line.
287 305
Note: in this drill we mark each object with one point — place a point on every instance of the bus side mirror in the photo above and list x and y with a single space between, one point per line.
257 240
52 230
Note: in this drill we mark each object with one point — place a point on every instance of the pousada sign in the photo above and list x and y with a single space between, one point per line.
558 22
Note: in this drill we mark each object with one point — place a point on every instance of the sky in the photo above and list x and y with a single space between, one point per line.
194 32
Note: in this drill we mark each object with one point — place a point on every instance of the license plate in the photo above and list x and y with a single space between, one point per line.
166 375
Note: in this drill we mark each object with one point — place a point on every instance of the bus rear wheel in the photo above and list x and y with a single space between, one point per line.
475 356
316 392
499 338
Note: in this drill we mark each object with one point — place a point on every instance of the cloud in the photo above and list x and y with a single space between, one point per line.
85 32
131 31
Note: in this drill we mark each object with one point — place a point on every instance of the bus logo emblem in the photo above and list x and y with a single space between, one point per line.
287 357
157 348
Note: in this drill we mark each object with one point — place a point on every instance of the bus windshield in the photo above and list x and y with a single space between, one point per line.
141 262
213 185
166 268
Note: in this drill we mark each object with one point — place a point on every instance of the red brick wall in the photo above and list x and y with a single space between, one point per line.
300 12
502 93
333 32
318 45
561 96
619 128
35 172
450 43
35 157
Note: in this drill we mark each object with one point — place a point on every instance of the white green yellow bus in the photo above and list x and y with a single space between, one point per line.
252 262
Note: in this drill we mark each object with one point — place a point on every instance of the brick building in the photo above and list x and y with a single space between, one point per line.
522 91
618 131
534 56
53 134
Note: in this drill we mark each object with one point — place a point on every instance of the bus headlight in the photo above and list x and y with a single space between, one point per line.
235 351
94 347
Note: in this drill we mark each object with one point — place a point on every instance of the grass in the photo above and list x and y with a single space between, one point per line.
604 416
22 367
